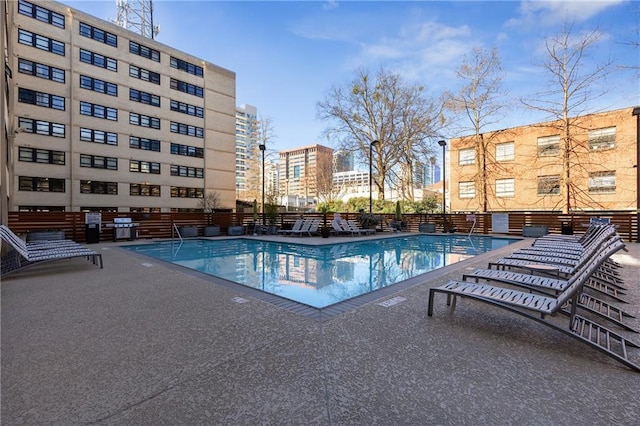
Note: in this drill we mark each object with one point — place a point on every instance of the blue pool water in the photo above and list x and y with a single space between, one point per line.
320 276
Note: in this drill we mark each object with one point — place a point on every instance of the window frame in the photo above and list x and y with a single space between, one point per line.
505 188
548 181
595 179
548 146
464 159
505 151
93 33
41 14
602 139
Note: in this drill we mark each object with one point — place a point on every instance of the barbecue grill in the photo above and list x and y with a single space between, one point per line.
123 228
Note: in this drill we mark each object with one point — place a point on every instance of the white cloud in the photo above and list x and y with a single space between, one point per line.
330 5
544 13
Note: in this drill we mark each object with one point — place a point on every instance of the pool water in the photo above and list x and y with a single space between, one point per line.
323 275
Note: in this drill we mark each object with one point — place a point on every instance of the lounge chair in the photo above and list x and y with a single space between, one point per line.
337 228
538 307
352 227
25 254
555 286
309 227
296 227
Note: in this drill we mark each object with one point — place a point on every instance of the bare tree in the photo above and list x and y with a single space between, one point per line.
573 83
481 99
382 108
210 202
264 135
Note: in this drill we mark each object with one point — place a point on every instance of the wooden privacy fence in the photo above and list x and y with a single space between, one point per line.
161 225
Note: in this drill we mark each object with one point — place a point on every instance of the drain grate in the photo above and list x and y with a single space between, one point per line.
392 301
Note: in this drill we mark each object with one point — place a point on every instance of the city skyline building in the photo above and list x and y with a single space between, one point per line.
247 152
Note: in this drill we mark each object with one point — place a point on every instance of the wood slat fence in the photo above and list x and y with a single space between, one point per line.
161 225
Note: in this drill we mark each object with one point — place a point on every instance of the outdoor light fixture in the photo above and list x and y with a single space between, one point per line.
373 143
263 148
443 144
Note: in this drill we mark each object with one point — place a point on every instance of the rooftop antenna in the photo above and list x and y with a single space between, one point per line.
137 16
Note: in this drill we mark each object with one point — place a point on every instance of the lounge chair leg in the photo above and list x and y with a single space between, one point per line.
430 306
453 304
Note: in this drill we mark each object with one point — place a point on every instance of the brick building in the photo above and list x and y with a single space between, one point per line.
523 166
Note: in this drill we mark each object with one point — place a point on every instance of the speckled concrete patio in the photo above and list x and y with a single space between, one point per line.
144 343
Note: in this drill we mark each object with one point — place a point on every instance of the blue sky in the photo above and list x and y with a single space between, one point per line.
287 54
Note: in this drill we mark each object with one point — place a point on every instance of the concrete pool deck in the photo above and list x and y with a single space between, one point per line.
145 343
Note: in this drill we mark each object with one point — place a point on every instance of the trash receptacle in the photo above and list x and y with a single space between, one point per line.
567 228
92 233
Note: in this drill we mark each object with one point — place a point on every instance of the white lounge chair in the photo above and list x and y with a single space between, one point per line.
296 227
28 254
538 307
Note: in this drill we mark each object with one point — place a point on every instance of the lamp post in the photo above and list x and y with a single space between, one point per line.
371 145
443 144
262 148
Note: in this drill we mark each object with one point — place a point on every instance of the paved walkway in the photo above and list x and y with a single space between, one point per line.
143 343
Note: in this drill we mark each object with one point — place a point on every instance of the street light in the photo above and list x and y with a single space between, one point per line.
371 145
443 144
263 148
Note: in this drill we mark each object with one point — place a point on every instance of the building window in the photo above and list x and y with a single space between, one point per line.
97 187
182 192
144 143
144 190
601 139
99 111
40 13
41 127
505 187
98 136
33 155
40 184
98 60
32 97
185 171
144 51
186 66
98 34
144 120
467 189
296 172
602 182
185 87
41 208
136 166
186 129
183 108
505 151
467 156
40 42
144 97
549 185
187 150
548 145
98 162
41 70
143 74
99 86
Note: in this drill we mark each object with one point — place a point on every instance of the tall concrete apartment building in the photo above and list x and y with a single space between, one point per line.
303 171
100 118
246 150
525 172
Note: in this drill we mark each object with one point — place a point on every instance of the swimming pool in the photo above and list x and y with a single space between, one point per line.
321 275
